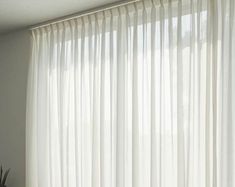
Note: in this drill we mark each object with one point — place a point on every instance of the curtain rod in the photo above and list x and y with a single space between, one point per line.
83 13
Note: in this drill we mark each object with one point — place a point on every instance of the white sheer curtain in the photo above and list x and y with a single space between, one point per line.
138 96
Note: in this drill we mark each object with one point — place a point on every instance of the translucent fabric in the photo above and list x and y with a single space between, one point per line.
138 96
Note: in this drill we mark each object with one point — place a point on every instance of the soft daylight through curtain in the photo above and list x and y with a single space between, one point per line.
138 96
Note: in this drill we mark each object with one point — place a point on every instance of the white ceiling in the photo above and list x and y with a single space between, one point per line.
18 14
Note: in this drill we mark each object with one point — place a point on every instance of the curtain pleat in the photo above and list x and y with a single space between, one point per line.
140 95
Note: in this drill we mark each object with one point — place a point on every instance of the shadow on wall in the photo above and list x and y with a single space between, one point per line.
14 58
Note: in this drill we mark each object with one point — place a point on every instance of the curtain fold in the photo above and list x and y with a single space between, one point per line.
140 95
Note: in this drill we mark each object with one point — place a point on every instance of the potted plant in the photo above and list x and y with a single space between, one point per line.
3 177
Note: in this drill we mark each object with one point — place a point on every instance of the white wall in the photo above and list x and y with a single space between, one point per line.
14 57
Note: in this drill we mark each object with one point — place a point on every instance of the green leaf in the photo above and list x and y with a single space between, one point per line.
5 177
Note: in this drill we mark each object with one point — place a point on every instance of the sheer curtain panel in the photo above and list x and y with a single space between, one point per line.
137 96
